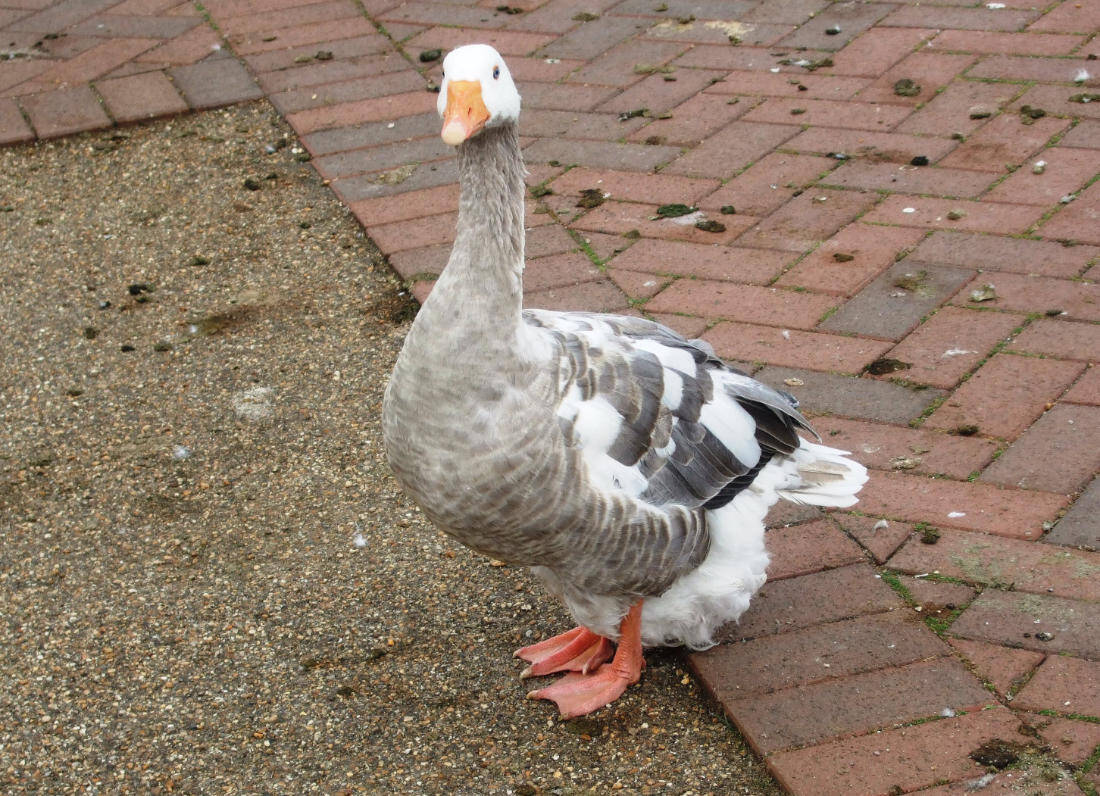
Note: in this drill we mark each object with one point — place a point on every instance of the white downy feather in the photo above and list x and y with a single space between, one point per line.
719 590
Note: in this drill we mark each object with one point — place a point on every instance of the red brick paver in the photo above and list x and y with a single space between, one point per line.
1086 390
877 536
1059 453
140 96
1003 667
51 56
848 260
958 504
952 343
999 253
1005 396
1061 339
13 129
987 560
858 702
1065 685
1071 741
861 214
896 760
1031 621
888 447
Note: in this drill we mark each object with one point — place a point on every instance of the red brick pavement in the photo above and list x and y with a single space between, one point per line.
915 260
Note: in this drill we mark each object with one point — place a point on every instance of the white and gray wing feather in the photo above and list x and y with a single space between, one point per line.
659 416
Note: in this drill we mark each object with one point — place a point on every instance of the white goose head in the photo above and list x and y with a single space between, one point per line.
477 92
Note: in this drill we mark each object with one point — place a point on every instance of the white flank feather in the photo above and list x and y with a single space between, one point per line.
692 610
719 590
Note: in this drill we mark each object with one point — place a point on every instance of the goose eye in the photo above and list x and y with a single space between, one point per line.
496 73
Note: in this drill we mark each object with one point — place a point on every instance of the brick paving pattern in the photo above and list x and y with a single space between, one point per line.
908 227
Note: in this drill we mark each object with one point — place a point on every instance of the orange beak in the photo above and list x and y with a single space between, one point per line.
465 114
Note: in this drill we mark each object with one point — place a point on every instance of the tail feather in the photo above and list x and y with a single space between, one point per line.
827 477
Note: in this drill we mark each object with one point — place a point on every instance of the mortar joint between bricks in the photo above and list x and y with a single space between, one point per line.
1019 683
103 104
205 14
25 116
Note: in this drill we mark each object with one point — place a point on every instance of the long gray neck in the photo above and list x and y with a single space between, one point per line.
479 296
483 278
490 208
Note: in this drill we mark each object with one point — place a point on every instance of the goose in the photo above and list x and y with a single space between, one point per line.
629 468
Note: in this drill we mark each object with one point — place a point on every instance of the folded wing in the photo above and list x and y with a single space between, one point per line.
661 417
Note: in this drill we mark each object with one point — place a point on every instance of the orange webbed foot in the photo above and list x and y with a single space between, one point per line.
580 694
578 650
